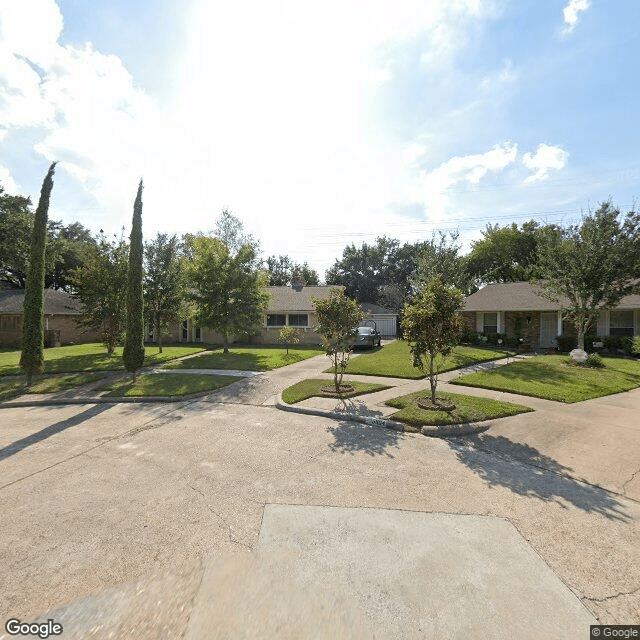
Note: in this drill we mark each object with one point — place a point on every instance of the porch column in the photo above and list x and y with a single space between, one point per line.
499 321
559 323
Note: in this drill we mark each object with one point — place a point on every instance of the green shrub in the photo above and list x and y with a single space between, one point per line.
594 361
566 343
618 343
635 346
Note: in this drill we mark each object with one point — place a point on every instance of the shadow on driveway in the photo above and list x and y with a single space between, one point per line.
485 455
47 432
350 437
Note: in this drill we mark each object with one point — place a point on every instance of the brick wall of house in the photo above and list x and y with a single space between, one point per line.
530 331
11 329
469 318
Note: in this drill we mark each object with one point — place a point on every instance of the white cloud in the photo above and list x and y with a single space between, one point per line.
546 157
436 185
571 14
7 182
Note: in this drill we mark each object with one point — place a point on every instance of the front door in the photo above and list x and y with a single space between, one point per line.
548 329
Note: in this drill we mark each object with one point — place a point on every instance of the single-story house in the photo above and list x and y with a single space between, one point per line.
61 313
288 306
386 321
517 309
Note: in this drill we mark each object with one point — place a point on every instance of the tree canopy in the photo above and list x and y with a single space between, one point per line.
282 271
432 326
591 266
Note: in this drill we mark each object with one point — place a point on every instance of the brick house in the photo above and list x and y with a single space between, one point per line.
288 306
61 314
516 310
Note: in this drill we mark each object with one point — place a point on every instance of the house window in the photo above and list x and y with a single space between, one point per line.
197 334
490 323
621 323
298 320
185 331
276 320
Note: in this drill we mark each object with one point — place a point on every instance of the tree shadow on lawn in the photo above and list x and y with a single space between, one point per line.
532 477
350 436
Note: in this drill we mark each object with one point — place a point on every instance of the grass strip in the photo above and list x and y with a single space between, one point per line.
89 357
394 360
311 387
552 378
168 384
247 358
468 409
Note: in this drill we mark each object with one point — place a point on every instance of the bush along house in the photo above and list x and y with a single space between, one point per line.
514 314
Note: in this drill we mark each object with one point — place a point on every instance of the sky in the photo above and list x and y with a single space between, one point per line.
321 124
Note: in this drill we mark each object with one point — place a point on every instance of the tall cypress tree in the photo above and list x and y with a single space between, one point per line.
32 358
133 353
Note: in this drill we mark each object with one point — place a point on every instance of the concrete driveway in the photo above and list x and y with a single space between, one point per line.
149 496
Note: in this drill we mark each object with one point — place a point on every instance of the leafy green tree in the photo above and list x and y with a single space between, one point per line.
16 229
133 352
226 289
230 230
506 254
591 266
100 285
432 326
164 284
338 319
440 256
283 271
288 336
32 358
72 244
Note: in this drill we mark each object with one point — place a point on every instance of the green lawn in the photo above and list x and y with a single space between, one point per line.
468 409
311 387
394 360
89 357
263 358
10 388
550 377
168 384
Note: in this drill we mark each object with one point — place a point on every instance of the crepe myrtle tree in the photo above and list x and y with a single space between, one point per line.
288 336
338 319
432 326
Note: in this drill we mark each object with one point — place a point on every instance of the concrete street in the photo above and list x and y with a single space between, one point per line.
131 509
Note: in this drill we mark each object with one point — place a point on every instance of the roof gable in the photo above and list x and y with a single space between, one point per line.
55 302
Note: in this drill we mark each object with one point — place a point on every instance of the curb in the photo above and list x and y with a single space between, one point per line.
432 431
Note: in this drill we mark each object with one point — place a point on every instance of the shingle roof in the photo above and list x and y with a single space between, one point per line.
55 302
522 296
298 299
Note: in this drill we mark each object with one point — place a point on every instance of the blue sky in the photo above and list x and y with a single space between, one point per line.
321 125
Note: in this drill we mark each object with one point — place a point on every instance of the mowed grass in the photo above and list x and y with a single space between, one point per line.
468 409
168 384
311 387
394 360
89 357
9 388
264 358
550 377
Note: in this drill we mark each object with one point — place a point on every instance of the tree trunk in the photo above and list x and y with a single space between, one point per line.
336 382
158 334
581 339
225 343
432 378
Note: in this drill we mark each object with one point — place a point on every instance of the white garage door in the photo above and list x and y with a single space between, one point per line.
386 325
